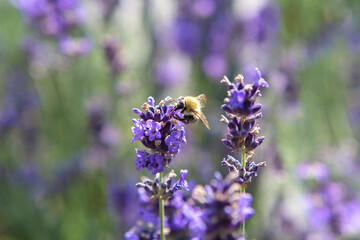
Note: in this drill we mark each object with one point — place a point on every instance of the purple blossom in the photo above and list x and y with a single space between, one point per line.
182 183
242 134
196 225
241 98
174 141
155 163
137 131
244 174
244 209
159 132
141 159
167 190
152 130
224 208
240 106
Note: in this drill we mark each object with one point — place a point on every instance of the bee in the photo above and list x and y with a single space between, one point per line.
191 109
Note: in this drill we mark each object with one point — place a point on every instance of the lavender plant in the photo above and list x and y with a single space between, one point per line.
162 135
243 111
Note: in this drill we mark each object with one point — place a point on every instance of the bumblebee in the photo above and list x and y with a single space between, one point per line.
191 109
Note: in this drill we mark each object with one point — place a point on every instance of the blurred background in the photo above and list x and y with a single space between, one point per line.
71 71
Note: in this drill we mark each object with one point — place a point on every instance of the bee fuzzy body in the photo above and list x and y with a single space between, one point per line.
191 109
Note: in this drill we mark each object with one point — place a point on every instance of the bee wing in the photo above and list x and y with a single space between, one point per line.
202 99
202 118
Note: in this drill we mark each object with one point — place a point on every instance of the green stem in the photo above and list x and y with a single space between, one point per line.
243 190
161 210
243 159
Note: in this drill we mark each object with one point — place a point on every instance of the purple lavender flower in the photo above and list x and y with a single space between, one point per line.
141 159
244 210
242 134
155 163
224 207
240 106
166 189
174 141
137 131
241 98
182 183
152 130
159 132
244 174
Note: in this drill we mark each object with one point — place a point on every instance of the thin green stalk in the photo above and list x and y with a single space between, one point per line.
161 211
243 190
243 160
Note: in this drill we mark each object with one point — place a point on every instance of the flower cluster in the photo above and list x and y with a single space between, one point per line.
224 207
159 132
241 100
149 192
244 174
242 134
166 189
59 19
243 111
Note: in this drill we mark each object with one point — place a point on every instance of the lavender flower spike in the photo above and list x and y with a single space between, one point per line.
159 132
241 98
243 111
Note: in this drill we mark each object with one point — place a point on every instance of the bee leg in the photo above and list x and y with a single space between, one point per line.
184 120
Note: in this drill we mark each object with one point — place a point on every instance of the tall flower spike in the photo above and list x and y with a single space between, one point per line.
159 132
243 111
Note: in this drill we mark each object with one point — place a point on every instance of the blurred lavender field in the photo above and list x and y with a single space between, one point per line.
72 71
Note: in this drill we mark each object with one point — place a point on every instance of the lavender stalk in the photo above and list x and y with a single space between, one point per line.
162 135
243 111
